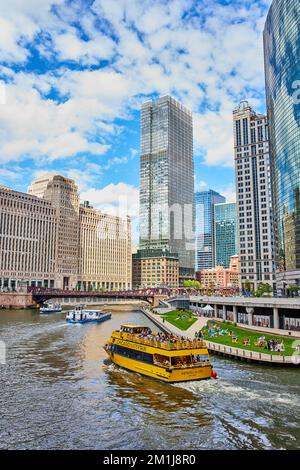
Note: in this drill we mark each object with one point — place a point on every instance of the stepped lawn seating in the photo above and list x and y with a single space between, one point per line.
227 334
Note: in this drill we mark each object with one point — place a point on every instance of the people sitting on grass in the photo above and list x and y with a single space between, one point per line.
273 345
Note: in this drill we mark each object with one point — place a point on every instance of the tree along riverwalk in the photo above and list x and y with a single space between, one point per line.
217 348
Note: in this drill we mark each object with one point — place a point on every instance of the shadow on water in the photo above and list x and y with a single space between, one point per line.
144 391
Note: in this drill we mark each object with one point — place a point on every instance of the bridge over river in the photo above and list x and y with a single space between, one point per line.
152 296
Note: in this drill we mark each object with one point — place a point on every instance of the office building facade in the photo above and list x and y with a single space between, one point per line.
205 228
104 250
28 230
220 277
63 195
225 233
48 239
253 187
282 69
167 181
155 268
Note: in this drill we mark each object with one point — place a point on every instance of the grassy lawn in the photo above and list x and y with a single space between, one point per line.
182 320
243 334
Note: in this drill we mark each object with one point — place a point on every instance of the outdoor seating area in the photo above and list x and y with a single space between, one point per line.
248 339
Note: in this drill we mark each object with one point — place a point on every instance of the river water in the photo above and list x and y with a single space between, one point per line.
58 390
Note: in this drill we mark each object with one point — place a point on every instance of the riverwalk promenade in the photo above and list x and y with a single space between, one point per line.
220 349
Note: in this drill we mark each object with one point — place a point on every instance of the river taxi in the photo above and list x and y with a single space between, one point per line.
81 315
161 356
50 308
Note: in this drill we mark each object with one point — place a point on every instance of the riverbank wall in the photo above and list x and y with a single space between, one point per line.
16 300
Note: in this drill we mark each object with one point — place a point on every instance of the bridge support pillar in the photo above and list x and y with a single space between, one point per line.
275 318
235 314
250 312
216 311
224 312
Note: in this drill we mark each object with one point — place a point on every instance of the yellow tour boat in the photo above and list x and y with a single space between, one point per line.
159 355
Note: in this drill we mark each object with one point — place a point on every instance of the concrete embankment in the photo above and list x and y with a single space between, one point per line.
251 356
220 349
157 321
16 300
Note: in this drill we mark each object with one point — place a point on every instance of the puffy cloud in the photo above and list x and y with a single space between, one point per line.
206 53
9 174
70 47
116 199
37 127
227 191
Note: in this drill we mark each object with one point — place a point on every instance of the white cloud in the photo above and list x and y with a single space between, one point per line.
115 161
227 191
70 47
210 63
201 186
117 199
9 174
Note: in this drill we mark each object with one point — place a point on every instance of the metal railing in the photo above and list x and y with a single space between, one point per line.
167 345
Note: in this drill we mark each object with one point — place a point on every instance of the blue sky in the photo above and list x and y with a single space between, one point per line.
73 75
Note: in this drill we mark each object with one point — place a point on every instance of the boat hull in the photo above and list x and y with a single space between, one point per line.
170 376
45 312
98 320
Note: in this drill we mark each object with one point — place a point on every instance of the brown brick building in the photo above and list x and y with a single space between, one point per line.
155 268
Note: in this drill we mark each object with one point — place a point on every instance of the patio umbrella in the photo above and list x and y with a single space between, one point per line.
208 308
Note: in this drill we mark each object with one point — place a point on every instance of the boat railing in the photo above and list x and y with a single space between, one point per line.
171 346
190 366
182 366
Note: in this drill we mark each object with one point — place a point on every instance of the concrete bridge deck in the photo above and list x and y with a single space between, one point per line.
277 309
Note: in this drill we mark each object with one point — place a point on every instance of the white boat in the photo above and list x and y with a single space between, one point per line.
81 315
51 308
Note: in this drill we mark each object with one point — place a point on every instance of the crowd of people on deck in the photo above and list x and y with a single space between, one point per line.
185 361
167 338
180 361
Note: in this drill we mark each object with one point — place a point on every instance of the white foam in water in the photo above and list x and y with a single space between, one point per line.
229 390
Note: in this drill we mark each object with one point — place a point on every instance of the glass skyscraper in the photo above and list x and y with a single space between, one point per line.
167 181
205 228
282 67
225 233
